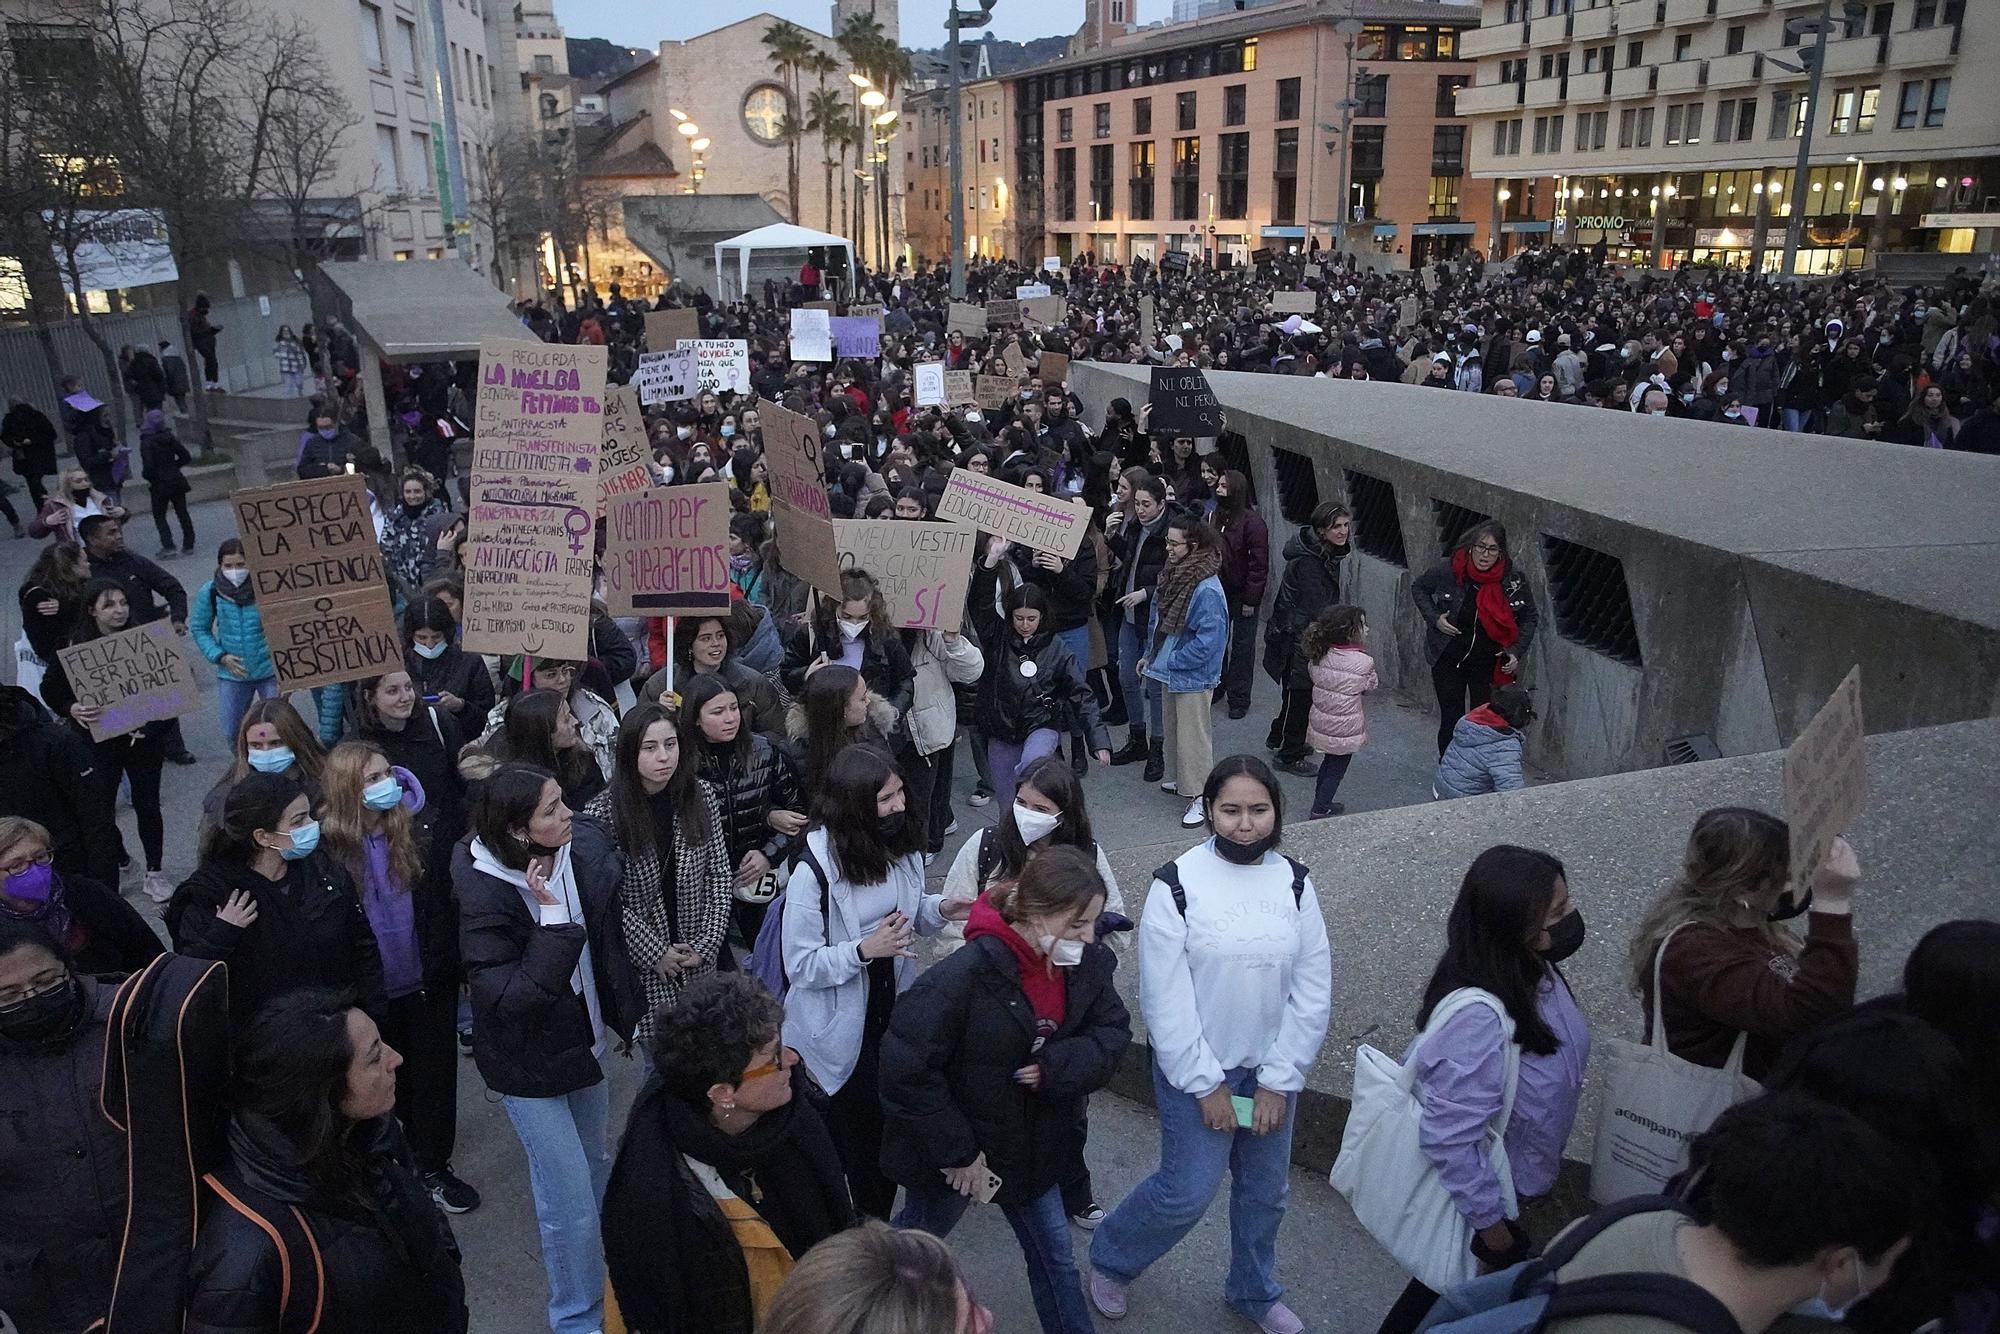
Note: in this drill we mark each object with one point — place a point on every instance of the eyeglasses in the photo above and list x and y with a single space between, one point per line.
769 1068
15 865
1485 549
47 980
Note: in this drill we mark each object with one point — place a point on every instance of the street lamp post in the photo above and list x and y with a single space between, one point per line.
1813 58
955 20
1349 28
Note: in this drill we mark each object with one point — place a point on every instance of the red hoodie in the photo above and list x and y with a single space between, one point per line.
1047 987
1485 717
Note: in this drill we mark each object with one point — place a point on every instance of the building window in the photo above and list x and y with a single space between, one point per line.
1369 144
1373 43
1288 99
1187 177
406 50
1234 104
1541 143
1065 125
1142 115
1645 127
1142 181
387 161
1372 92
1285 176
1414 44
1628 124
1232 176
1682 44
371 38
1854 110
420 163
1101 120
1732 39
1444 197
1066 184
1788 114
1184 111
1447 150
1447 44
1934 105
1683 124
1250 55
1101 205
1447 93
1635 54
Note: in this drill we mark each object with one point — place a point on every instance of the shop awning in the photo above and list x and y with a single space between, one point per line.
1525 227
1385 229
1282 231
1443 229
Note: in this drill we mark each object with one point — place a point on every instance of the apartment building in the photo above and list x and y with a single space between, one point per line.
987 142
1670 129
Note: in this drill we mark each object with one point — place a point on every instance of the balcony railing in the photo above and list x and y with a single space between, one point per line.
1732 71
1481 99
1924 46
1477 42
1682 76
1636 17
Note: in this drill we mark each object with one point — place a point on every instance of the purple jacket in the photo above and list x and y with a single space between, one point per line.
391 907
1460 1078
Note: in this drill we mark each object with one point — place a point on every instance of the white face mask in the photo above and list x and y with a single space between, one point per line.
1034 825
236 576
1062 953
852 629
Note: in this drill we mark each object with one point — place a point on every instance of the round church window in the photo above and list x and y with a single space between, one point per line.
764 110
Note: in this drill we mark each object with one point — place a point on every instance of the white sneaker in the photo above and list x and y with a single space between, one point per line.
1196 816
157 886
1171 785
951 828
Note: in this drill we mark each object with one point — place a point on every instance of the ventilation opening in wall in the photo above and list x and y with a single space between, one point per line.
1452 522
1298 488
1593 605
1378 529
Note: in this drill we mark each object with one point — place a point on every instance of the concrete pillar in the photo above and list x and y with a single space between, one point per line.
1659 222
1878 230
1762 216
378 403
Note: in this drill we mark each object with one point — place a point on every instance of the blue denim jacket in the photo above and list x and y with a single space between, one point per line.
1191 659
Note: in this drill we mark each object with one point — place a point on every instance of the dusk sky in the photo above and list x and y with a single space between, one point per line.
646 25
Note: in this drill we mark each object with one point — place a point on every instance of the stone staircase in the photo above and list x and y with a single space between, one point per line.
256 440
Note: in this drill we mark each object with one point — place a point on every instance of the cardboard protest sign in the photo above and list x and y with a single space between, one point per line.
1174 261
666 551
1407 312
667 377
530 556
1052 263
1262 256
1029 518
930 384
823 304
1293 303
1149 323
799 506
722 365
857 335
966 319
1314 271
993 392
1046 309
322 589
1054 369
874 308
1826 778
1011 357
958 388
626 463
1003 312
665 328
812 335
140 676
923 569
1182 403
1027 290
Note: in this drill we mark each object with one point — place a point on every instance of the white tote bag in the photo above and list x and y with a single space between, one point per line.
1382 1171
28 666
1654 1104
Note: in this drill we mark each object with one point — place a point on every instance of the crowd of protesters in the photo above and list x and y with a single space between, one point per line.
702 846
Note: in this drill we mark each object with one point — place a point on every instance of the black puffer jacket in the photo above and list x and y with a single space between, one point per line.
310 932
386 1266
885 665
1036 683
62 1179
1437 592
1311 583
531 1034
1071 590
750 788
48 774
948 1062
1134 546
459 673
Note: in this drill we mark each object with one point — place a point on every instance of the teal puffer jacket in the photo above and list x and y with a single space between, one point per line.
221 626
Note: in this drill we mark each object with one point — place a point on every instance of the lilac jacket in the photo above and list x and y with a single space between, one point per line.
1460 1079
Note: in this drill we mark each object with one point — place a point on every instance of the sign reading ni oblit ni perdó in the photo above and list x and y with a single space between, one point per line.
322 591
530 549
1028 518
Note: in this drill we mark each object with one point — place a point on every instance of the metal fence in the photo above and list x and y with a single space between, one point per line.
243 352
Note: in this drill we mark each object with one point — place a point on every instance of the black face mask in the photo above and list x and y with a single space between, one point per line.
1244 854
890 825
44 1021
1788 907
1565 937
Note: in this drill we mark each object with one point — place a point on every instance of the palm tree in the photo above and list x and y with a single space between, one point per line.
826 116
790 47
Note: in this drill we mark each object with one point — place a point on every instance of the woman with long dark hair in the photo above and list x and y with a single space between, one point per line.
1033 692
658 829
314 1147
540 730
445 675
1479 619
854 905
1523 1042
596 722
226 626
705 645
835 710
421 737
855 631
756 788
271 738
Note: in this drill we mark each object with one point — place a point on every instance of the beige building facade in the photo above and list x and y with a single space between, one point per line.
1604 116
987 142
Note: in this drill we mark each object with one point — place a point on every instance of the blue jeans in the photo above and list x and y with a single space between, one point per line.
568 1165
1042 1228
1163 1207
233 699
1131 648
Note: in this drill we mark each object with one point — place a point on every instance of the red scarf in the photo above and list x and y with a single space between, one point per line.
1496 618
1047 988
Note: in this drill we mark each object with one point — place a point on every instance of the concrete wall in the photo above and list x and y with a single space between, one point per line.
1759 566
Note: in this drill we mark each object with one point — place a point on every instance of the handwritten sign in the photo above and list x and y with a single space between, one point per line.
1313 271
322 589
1027 290
930 384
1174 261
666 551
857 335
1149 324
1826 778
722 365
1293 303
799 506
1051 263
667 377
1043 309
665 328
1182 402
966 318
958 388
1002 312
812 335
626 464
1408 311
993 392
529 557
139 676
1036 521
1054 369
923 569
875 308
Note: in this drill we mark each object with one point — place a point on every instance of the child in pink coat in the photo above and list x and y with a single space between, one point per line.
1342 672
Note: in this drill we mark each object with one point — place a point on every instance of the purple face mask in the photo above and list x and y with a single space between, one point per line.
32 885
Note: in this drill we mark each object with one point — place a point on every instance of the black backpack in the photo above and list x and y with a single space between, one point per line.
1170 876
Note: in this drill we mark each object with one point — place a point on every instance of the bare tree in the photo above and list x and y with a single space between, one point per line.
306 123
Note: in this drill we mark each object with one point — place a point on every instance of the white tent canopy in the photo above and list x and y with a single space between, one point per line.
783 246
